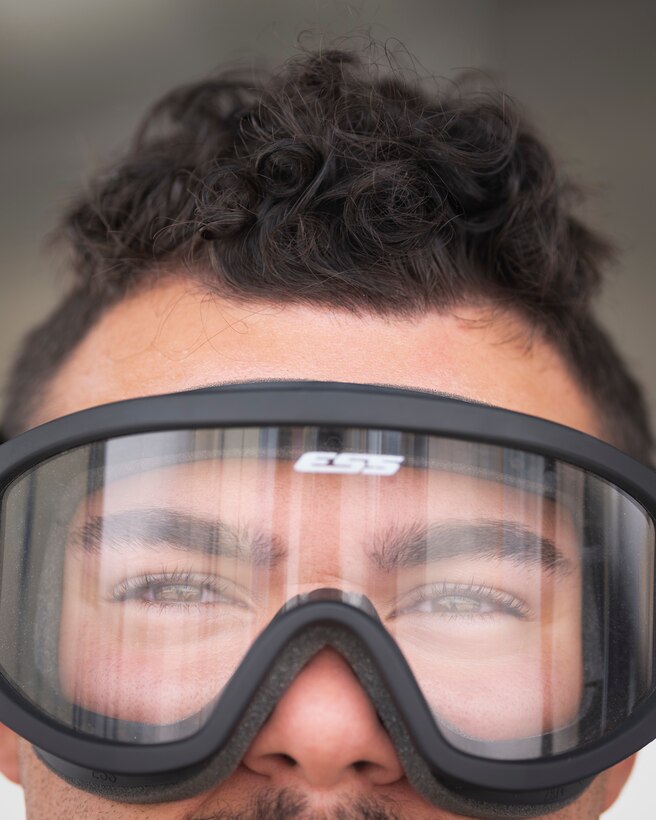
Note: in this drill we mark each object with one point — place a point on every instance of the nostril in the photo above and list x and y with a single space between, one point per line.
277 762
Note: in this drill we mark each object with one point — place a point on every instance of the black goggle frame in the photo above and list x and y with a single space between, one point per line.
111 768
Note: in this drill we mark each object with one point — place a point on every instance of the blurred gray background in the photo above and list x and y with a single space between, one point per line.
76 75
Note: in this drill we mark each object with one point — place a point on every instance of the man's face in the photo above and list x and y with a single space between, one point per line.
323 747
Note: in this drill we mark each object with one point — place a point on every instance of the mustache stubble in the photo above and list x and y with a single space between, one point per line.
288 804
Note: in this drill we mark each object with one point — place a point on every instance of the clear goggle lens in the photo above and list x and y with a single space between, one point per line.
140 570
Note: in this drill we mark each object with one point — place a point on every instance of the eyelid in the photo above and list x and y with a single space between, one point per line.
512 604
121 592
146 579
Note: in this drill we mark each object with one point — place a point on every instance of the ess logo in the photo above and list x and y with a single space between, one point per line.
348 463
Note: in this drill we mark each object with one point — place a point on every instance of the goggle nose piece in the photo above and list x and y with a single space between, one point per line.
323 594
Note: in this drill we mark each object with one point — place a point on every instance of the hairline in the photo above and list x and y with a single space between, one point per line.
528 332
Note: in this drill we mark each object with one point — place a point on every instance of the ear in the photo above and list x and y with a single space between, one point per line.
9 754
615 779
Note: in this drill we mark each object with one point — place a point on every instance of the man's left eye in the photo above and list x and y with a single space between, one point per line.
455 600
457 604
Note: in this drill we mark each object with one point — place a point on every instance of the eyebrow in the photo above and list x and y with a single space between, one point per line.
488 539
395 547
150 527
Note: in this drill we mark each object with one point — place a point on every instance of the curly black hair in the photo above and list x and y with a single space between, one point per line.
336 184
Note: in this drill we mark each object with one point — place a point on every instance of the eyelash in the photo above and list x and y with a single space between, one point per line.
505 602
129 589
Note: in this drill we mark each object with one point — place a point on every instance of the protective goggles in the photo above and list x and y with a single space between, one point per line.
169 565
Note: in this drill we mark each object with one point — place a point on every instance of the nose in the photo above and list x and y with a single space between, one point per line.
324 732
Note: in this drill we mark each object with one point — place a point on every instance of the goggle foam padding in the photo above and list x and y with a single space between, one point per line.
295 656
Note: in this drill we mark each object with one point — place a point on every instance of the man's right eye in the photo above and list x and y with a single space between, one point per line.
177 589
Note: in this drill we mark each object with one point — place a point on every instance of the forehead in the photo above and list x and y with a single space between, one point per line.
177 336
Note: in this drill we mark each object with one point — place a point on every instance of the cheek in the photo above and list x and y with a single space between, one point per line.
48 797
504 697
150 682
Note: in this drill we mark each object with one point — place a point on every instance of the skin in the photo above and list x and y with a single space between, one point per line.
175 336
